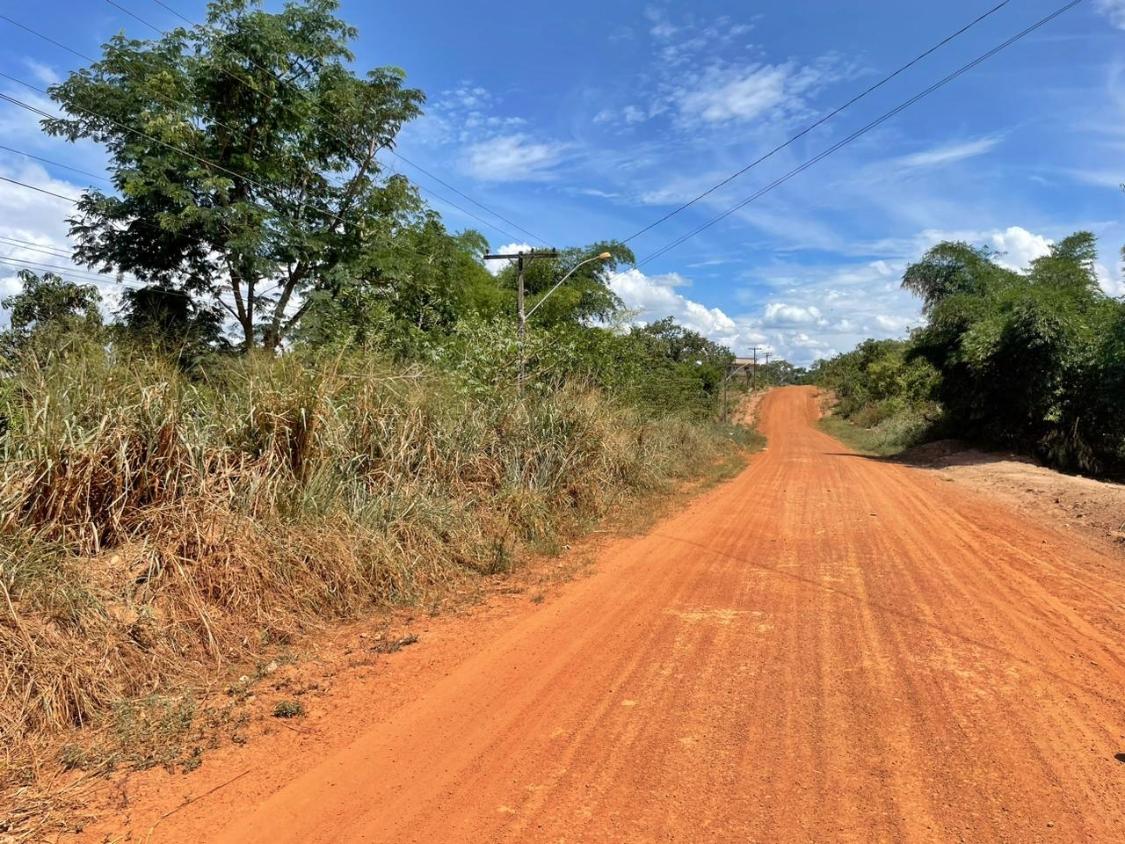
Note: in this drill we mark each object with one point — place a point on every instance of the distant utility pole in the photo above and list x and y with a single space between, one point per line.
754 369
768 361
521 259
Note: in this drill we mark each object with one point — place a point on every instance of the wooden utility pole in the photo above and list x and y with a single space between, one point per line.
521 259
754 369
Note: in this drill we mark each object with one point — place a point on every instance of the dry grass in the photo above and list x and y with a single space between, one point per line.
154 527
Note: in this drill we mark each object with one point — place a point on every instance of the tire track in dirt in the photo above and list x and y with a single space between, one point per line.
828 647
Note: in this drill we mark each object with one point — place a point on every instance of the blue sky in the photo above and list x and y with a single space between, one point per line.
587 121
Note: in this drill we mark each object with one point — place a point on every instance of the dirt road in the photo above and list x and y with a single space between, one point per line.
826 648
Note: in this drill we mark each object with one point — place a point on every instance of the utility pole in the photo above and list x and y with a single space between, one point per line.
521 259
754 369
768 361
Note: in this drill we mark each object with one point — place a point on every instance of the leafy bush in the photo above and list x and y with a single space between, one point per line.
1032 361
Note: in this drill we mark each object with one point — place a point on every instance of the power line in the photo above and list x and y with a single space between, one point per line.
864 130
74 200
320 108
822 120
36 110
393 152
91 59
139 133
32 246
53 163
181 150
70 199
52 267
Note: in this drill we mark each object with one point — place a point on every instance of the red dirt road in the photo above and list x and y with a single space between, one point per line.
826 648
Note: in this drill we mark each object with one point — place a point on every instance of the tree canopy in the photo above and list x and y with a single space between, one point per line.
244 155
1032 360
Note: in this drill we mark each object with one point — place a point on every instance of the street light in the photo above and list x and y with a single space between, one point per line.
604 256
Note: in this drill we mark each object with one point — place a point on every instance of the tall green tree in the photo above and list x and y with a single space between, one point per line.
244 156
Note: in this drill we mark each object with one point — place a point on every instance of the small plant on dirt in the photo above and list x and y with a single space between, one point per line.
288 709
193 761
391 646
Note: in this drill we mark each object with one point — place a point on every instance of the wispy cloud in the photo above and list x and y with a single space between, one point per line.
722 95
1114 10
949 153
513 158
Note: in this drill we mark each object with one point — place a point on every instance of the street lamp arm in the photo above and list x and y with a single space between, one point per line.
604 256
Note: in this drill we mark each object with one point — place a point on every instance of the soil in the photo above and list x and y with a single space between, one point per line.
1086 506
827 647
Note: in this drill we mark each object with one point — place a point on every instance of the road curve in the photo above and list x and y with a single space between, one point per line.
829 647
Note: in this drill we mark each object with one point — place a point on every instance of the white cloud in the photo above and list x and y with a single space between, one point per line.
513 158
1019 247
632 114
497 265
656 297
40 220
1112 281
1114 10
598 193
721 95
782 314
1107 178
43 72
897 324
949 153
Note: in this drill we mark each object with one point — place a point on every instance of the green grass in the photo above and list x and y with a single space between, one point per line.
886 440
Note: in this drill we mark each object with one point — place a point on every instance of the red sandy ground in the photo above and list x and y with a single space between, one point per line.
828 647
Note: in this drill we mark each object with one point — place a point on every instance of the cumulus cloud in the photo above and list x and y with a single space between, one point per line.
781 314
653 298
497 265
39 220
1112 281
656 297
513 158
1018 247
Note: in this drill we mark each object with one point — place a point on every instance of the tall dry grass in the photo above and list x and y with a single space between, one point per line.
155 526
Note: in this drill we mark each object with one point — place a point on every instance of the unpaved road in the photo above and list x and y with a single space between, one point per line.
826 648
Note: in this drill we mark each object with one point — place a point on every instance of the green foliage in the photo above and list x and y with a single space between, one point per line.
47 315
295 199
660 369
1030 361
171 322
878 373
586 295
288 709
247 191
